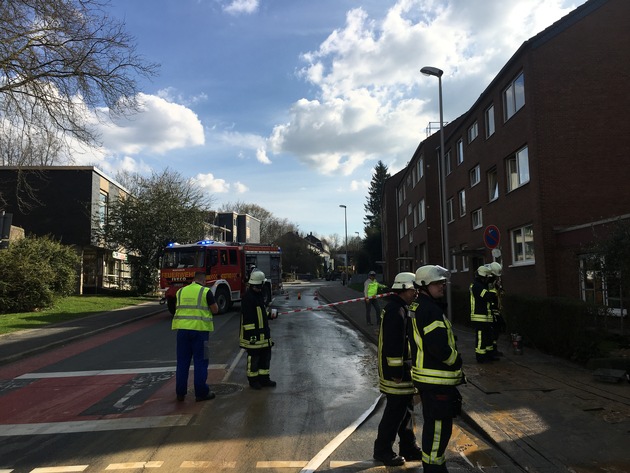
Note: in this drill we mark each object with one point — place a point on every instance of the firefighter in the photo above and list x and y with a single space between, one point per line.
394 370
436 369
195 305
498 321
255 334
482 300
370 290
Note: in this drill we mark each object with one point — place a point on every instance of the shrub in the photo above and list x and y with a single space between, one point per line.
34 272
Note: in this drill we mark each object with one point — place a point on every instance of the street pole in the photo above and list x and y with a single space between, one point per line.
434 71
345 221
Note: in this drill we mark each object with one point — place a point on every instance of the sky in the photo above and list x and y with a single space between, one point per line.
290 104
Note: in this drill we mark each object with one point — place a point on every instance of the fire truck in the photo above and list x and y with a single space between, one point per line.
227 267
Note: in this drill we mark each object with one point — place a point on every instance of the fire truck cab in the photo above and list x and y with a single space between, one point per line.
227 267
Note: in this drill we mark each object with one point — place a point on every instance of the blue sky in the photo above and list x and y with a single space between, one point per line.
289 104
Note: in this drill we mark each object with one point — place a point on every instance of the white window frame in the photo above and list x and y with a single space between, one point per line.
520 254
450 212
421 211
517 169
460 151
420 168
476 217
461 197
447 162
473 131
489 119
493 189
514 97
475 176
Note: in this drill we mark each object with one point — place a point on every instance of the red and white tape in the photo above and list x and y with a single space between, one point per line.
335 303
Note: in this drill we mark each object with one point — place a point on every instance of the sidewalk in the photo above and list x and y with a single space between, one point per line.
16 345
547 414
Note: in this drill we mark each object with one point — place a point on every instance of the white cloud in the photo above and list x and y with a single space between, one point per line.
373 103
159 126
241 6
215 185
261 156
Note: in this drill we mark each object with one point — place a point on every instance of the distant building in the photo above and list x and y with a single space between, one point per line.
543 155
241 228
69 203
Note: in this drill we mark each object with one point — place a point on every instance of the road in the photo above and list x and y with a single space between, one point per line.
108 403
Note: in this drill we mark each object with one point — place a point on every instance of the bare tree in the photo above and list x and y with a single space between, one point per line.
58 60
271 227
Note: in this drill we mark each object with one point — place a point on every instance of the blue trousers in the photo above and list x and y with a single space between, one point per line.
191 345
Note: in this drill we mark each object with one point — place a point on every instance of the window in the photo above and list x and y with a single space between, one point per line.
421 211
517 167
453 260
462 202
490 121
415 219
449 210
477 219
409 209
493 185
420 167
523 245
103 201
402 228
460 151
514 97
447 162
465 262
473 131
598 288
475 176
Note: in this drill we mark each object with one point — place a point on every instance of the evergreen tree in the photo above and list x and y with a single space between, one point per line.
375 197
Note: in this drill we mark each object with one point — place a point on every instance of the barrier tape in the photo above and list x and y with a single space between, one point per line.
335 303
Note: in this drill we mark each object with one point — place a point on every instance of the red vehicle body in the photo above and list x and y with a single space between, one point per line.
227 267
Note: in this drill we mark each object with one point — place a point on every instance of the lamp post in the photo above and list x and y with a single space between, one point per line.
345 221
434 71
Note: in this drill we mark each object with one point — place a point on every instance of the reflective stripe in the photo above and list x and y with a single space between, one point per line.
394 361
432 458
392 387
192 311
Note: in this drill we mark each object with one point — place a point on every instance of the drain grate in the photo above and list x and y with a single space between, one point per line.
226 388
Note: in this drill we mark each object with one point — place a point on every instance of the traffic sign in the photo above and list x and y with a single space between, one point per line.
491 236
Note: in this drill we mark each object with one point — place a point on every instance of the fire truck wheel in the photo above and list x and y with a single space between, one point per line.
222 298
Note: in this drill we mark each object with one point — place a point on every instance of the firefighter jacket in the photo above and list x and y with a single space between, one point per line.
436 361
394 352
255 332
192 311
482 301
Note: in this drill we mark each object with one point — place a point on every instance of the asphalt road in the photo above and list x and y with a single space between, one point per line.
108 402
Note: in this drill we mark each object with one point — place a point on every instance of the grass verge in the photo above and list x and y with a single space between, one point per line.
68 308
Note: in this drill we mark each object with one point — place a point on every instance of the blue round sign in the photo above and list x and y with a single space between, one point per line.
491 236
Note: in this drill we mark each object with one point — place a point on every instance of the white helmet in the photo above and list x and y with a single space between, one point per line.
495 268
256 278
428 274
484 271
404 281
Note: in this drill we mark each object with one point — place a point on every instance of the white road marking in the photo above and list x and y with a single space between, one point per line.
71 374
281 464
208 464
120 404
59 469
134 465
9 430
233 365
318 459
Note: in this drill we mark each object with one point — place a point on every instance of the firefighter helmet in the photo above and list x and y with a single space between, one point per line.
428 274
495 268
484 271
404 281
256 278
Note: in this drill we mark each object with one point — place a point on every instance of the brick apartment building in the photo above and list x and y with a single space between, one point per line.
543 155
67 204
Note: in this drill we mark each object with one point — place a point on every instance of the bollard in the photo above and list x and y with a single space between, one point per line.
517 344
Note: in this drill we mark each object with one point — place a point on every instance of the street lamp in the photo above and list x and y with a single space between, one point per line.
345 221
434 71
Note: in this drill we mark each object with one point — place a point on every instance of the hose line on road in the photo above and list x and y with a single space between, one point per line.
306 309
318 459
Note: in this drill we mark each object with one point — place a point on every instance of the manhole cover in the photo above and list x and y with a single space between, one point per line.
225 388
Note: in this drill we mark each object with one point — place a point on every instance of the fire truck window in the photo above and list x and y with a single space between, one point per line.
233 260
213 257
224 258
